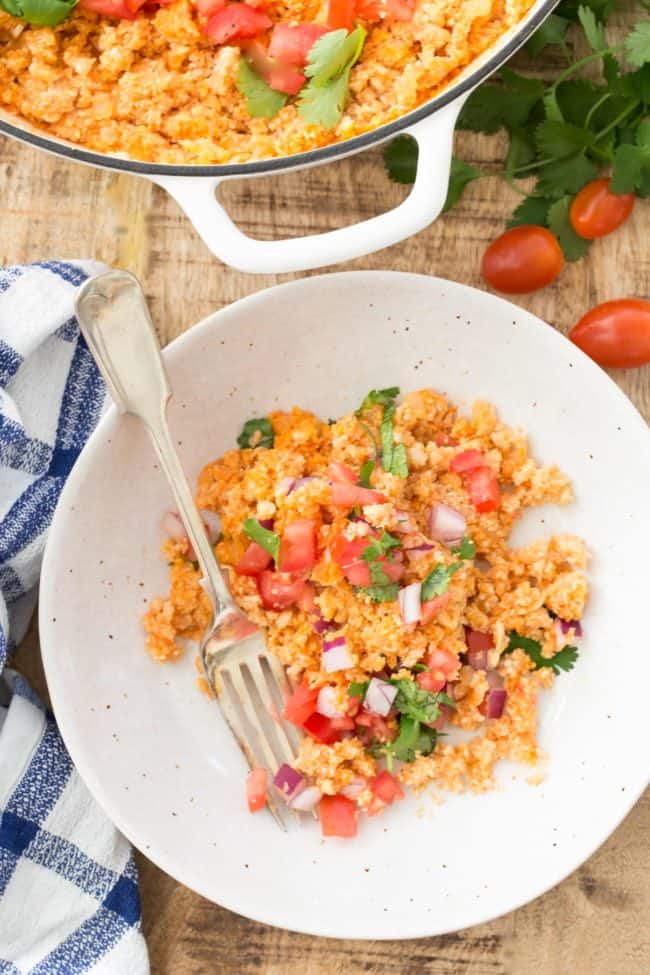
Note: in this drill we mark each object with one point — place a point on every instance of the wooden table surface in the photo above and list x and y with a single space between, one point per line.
597 921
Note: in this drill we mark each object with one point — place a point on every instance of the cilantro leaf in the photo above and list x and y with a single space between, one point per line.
261 100
437 582
365 472
531 210
466 549
379 397
601 8
560 139
573 246
358 688
268 540
323 99
637 44
401 159
565 176
381 594
521 150
413 740
508 105
461 174
393 456
414 702
380 547
552 31
399 462
562 660
45 13
632 162
257 432
594 31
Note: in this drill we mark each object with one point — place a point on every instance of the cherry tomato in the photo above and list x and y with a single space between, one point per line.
616 333
291 45
301 705
279 590
254 560
236 21
298 546
595 211
256 789
386 787
522 259
338 816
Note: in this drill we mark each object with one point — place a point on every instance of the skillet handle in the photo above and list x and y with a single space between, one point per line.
197 197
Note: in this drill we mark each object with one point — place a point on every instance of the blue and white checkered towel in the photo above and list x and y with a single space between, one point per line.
68 885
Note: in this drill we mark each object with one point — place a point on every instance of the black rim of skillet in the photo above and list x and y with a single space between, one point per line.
283 163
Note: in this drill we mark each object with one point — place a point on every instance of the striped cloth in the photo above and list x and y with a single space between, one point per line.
69 898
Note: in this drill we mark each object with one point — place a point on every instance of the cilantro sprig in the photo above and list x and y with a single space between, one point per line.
466 549
323 99
393 455
264 537
381 589
257 432
565 132
564 659
45 13
437 582
418 708
261 100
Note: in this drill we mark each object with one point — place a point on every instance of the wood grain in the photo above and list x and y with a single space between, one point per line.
596 921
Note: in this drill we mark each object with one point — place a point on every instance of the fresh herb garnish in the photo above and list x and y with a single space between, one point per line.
562 132
381 589
564 659
413 740
380 547
379 397
261 100
45 13
437 582
256 433
358 688
323 99
417 703
365 472
384 593
393 455
268 540
466 549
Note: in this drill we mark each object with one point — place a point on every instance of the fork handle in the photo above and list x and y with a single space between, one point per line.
113 315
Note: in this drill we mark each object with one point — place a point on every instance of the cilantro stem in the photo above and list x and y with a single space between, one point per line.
594 108
619 118
596 56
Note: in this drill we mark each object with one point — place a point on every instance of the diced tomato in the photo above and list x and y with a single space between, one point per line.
298 546
443 660
301 705
378 726
431 680
112 8
477 641
345 552
254 560
400 9
358 573
370 9
292 45
338 816
340 13
279 590
431 607
322 728
341 473
256 789
209 7
394 570
444 440
307 599
280 77
344 723
386 787
350 495
483 489
467 460
236 21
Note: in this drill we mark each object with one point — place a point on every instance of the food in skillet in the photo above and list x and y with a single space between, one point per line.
373 553
213 81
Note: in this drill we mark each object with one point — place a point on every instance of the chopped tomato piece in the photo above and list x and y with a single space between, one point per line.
431 680
344 723
279 76
444 660
292 45
209 7
350 495
483 489
307 599
340 13
254 560
256 789
298 546
358 573
370 9
444 440
386 787
467 460
235 22
378 726
322 728
279 590
301 705
338 816
342 473
400 9
477 641
431 607
345 552
112 8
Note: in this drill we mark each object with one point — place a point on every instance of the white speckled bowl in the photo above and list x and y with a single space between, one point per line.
156 754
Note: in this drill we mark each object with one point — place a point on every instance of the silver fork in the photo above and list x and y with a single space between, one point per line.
249 682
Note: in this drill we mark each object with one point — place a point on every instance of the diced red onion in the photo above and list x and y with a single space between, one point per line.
172 526
478 659
336 656
404 523
321 625
300 482
496 699
267 523
326 704
446 524
379 697
339 641
286 485
564 627
306 800
212 523
410 605
287 781
494 679
418 551
354 788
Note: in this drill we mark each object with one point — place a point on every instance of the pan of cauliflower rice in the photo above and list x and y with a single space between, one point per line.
189 92
434 508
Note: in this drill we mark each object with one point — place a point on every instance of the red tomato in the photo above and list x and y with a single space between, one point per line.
370 9
111 8
291 45
430 680
298 546
378 726
306 601
400 9
301 705
386 787
345 552
349 495
432 607
256 789
254 560
322 728
595 211
522 259
338 816
342 473
358 573
280 77
344 723
209 7
616 333
443 660
467 460
477 641
444 440
278 590
483 489
340 14
235 22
